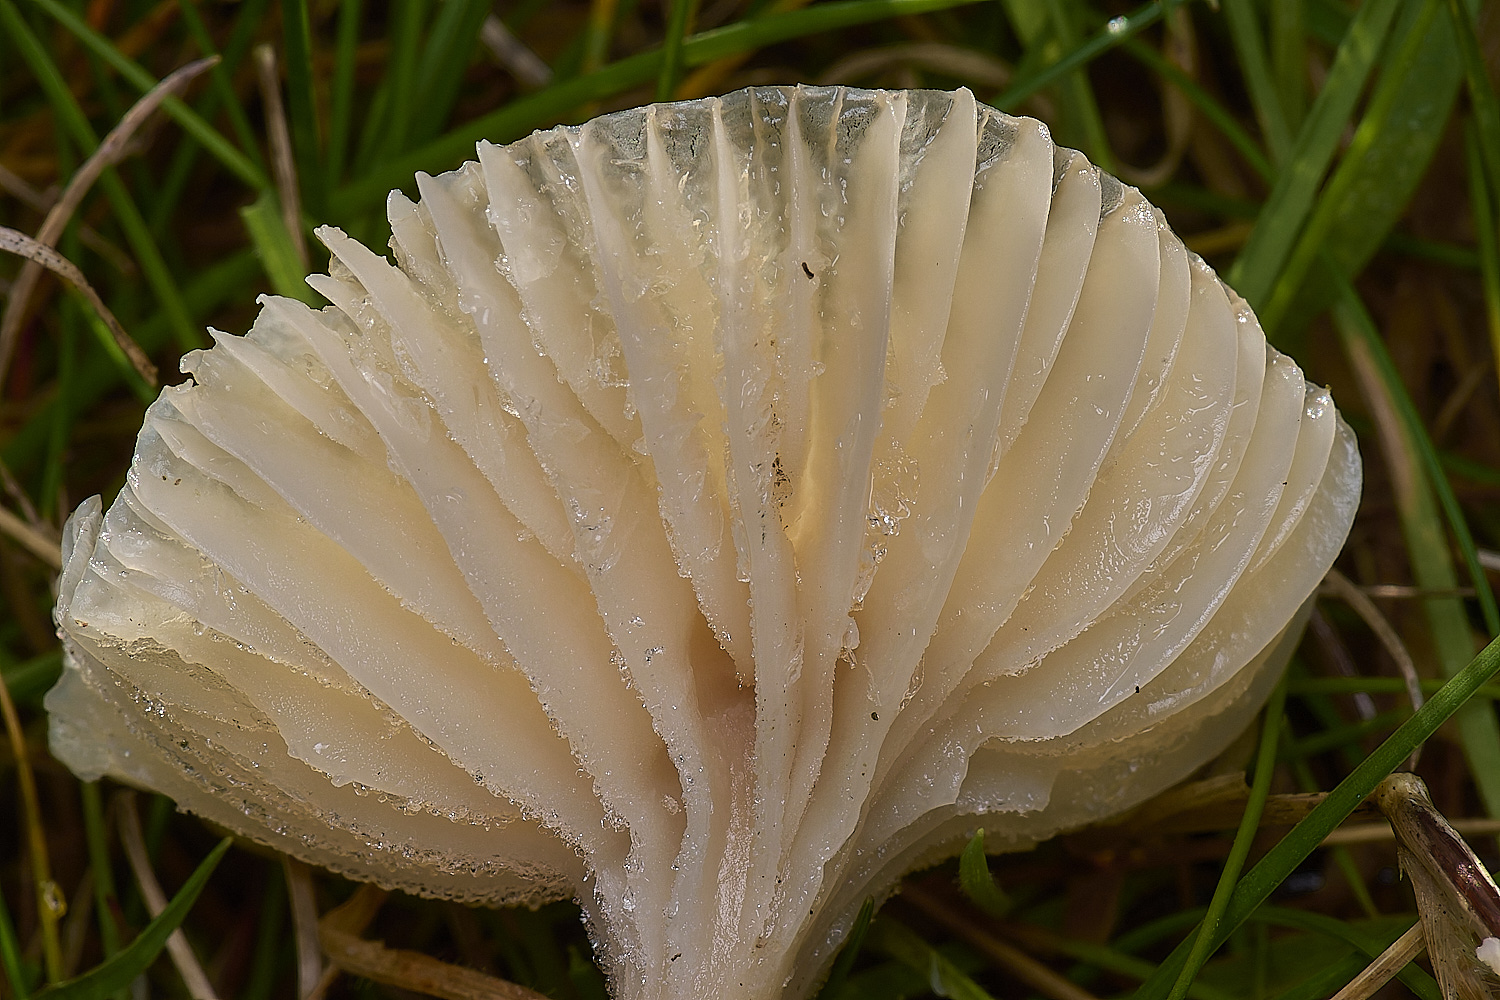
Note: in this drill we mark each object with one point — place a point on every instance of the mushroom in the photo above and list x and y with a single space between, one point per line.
717 510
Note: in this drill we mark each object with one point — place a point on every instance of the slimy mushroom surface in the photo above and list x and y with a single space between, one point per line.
711 512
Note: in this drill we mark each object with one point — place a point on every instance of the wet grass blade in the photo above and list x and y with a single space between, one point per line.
1374 128
1381 182
116 973
1264 878
1265 766
1256 270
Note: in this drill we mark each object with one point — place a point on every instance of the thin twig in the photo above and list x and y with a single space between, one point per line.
1343 662
40 253
40 201
954 61
32 538
1181 50
1374 833
14 184
110 151
1402 591
528 68
183 958
13 488
1391 961
305 920
339 932
1341 586
283 163
50 903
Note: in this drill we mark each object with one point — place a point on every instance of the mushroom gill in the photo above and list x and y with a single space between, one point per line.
716 510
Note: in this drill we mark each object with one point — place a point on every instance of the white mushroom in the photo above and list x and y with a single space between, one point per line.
719 509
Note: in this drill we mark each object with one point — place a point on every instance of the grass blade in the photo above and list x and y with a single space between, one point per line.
223 86
30 679
276 249
449 49
390 136
977 882
10 953
1485 231
1115 32
1079 105
848 953
1263 879
224 280
1416 476
1265 766
212 140
301 104
148 256
1289 59
904 945
106 899
116 973
174 181
1373 128
559 101
1244 31
1416 979
1486 107
1380 183
1255 272
1218 115
684 13
340 125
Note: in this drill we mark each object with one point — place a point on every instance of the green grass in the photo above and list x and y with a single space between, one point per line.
1344 165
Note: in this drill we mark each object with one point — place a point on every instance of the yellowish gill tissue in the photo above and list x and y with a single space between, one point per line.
714 512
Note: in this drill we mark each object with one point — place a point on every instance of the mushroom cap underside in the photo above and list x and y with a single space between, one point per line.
714 510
